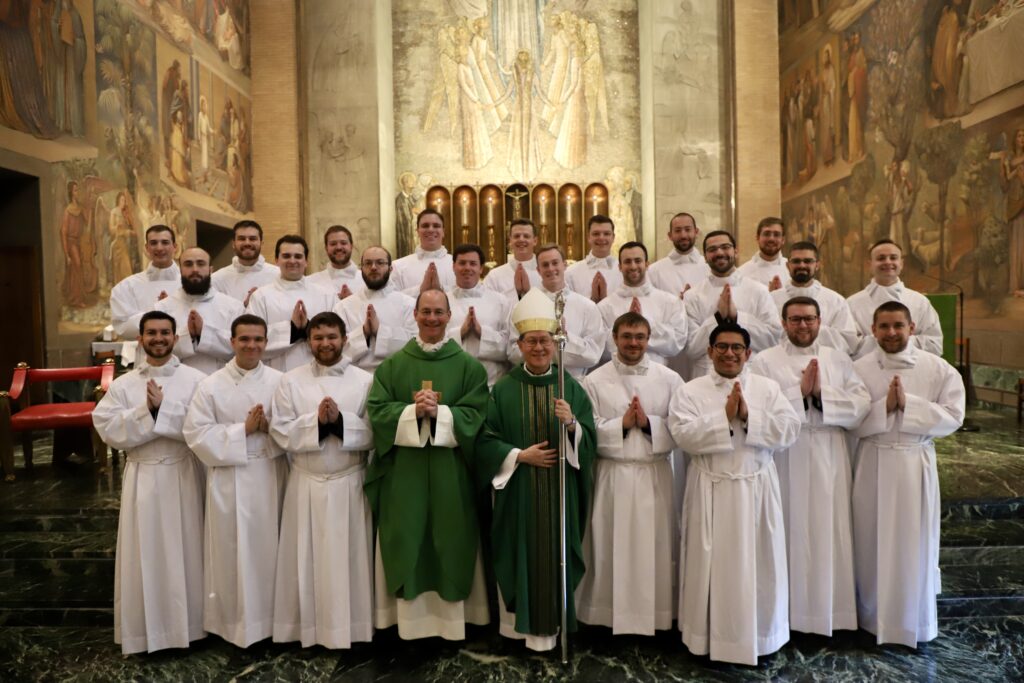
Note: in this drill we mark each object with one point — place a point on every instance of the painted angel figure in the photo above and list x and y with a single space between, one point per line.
524 160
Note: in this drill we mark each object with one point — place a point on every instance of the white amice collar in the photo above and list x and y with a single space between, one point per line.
336 370
640 368
154 274
349 272
689 257
237 373
475 292
431 347
242 268
290 285
779 259
628 292
165 370
439 253
891 292
794 350
903 360
731 279
811 289
608 261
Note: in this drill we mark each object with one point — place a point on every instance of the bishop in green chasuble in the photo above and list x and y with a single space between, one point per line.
422 498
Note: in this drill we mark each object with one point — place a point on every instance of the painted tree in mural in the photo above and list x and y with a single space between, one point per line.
894 44
978 176
125 65
938 151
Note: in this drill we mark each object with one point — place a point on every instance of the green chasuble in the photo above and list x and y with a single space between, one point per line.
524 532
422 498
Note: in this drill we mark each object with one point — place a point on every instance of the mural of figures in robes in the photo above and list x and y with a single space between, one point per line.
405 214
43 53
512 82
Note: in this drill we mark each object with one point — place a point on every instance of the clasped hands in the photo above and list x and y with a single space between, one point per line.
635 415
735 404
896 398
256 420
425 401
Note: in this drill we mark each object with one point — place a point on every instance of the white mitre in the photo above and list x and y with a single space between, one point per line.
535 312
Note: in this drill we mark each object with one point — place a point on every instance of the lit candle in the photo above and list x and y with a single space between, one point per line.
543 209
465 209
439 203
568 208
490 210
595 199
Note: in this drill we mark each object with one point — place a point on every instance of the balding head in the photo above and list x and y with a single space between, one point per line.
195 271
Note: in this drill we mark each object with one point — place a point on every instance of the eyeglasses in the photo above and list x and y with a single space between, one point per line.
803 261
801 319
722 347
381 263
535 342
715 248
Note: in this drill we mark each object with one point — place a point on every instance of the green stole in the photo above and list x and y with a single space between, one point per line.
422 498
524 532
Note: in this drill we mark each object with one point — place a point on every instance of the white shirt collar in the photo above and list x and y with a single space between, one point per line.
607 262
336 370
154 274
242 268
640 368
430 348
692 256
630 292
439 253
165 370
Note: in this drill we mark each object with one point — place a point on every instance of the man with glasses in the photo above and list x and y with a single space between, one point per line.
768 265
378 319
726 296
632 530
836 327
734 595
248 270
815 472
430 266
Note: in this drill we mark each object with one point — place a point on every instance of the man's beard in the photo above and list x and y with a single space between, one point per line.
340 264
195 288
802 277
378 284
158 354
729 263
323 358
683 246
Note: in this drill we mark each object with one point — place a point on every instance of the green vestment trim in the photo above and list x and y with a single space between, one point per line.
524 532
422 498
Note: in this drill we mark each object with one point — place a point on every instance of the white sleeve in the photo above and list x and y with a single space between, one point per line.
215 444
123 421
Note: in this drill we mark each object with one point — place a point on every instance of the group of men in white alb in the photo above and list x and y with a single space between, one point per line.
765 457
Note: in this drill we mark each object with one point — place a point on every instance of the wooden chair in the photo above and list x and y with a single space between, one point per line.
18 415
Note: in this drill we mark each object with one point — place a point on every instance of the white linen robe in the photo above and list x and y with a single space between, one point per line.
218 311
407 272
629 545
138 294
672 274
333 279
274 303
927 330
493 311
733 588
394 310
158 584
665 312
579 277
837 328
896 494
586 334
245 484
324 586
236 279
503 278
762 270
815 476
757 315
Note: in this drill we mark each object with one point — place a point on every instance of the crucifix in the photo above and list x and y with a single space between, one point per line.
517 207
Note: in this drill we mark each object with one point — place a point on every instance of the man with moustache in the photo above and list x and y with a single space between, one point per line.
815 472
629 547
916 397
598 274
585 329
684 267
726 296
886 262
665 313
430 266
287 303
379 318
768 265
204 313
734 596
341 276
137 294
228 428
479 322
836 328
158 573
517 460
515 277
324 585
426 406
248 270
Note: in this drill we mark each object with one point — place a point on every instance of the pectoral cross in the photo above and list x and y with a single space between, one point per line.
428 385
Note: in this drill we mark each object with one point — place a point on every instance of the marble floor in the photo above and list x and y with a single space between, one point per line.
58 527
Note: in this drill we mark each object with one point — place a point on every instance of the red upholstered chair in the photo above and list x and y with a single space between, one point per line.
18 415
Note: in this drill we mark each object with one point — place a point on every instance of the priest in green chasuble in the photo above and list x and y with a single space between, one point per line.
517 457
426 407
